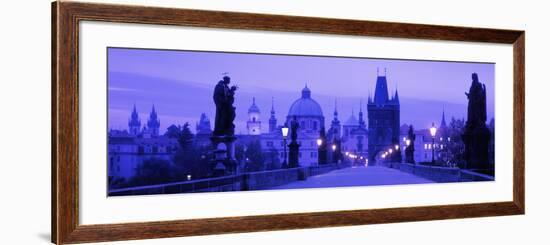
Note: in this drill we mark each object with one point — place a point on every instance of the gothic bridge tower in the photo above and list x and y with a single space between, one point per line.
383 116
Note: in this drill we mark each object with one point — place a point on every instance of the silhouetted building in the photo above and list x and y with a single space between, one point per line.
309 115
334 137
383 114
153 124
272 118
204 131
355 134
134 123
129 148
253 125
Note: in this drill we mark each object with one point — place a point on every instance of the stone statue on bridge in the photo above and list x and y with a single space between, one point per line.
224 97
409 151
293 147
476 134
223 137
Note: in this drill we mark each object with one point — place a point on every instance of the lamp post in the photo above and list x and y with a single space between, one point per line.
319 151
284 131
433 131
407 150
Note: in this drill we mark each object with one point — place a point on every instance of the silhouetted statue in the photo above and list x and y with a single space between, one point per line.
477 106
224 96
293 151
294 129
322 151
409 151
223 139
476 134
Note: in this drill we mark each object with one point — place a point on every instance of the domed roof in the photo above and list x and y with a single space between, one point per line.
305 106
253 107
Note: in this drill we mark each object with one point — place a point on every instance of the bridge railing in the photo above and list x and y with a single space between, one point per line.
440 174
241 182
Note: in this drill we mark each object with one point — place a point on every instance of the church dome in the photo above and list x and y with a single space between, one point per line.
305 106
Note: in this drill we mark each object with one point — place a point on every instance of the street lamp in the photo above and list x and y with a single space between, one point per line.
396 147
319 142
407 142
333 147
433 131
284 131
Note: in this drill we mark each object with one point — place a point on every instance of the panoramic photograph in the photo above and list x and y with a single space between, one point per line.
186 121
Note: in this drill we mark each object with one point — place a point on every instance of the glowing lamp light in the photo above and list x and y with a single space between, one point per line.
334 147
433 130
408 142
396 147
188 177
390 150
319 142
284 130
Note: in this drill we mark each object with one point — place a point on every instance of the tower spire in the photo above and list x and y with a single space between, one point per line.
272 118
272 105
335 108
361 121
443 122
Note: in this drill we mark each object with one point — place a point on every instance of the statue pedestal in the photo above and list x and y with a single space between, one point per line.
476 143
293 154
223 162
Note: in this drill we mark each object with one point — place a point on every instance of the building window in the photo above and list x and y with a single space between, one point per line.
270 143
118 158
112 165
303 124
282 144
118 168
155 149
300 155
314 125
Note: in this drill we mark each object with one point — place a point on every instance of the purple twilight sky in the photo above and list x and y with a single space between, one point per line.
180 85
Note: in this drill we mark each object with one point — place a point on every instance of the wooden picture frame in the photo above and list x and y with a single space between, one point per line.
65 121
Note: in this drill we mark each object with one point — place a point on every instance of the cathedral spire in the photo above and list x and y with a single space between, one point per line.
134 123
272 106
443 122
335 121
153 124
335 109
272 119
361 121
